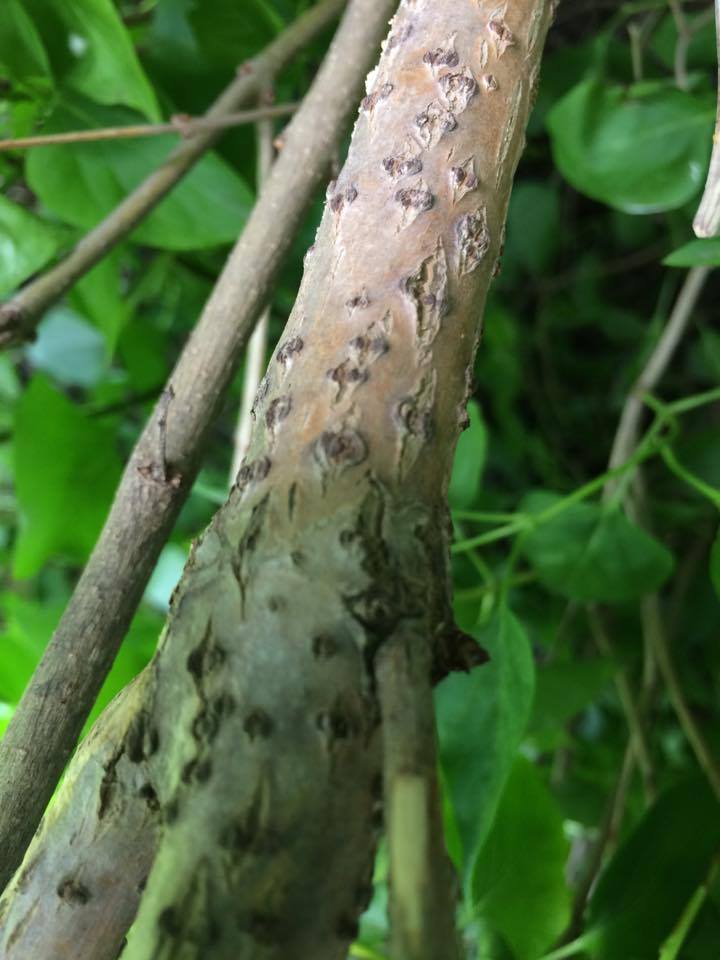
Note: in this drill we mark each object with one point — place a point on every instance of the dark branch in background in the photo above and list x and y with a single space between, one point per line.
21 314
45 727
183 125
627 432
655 640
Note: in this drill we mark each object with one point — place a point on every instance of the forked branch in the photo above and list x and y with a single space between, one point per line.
21 314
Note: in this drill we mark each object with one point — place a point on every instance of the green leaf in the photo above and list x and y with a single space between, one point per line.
469 460
533 229
26 244
99 297
519 884
646 886
563 689
66 469
22 54
696 253
91 51
641 152
587 552
28 626
69 349
715 564
481 719
82 182
247 27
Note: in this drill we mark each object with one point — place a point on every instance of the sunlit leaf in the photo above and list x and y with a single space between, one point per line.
91 51
641 151
69 349
82 182
26 244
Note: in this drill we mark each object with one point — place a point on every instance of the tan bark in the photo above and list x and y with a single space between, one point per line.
296 664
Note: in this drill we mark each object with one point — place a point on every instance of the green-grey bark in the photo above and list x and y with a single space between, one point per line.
45 727
294 673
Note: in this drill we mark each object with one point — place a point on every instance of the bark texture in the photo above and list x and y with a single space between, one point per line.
296 663
44 729
81 880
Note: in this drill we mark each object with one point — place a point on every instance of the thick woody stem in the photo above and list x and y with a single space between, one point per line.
20 315
161 470
292 686
707 218
64 903
423 887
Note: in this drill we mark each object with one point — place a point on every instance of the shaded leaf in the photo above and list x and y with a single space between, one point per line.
247 27
563 688
519 887
590 553
644 890
696 253
533 227
641 151
715 565
22 54
469 460
66 469
82 182
481 719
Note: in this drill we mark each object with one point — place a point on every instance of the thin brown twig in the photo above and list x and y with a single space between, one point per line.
685 37
655 647
609 832
655 625
21 314
625 442
180 124
631 709
45 726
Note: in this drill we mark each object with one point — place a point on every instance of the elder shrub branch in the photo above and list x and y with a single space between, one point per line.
163 465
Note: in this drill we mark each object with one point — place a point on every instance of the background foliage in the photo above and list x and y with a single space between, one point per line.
557 839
